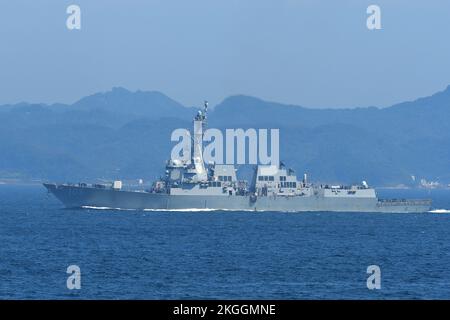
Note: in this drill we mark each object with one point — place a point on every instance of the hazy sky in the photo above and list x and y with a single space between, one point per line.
307 52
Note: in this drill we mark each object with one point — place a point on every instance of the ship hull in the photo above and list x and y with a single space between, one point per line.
81 197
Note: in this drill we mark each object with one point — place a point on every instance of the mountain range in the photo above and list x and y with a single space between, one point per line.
121 134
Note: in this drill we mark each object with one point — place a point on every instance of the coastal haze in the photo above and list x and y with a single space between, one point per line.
315 53
100 102
121 134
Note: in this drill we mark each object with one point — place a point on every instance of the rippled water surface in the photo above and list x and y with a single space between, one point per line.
227 255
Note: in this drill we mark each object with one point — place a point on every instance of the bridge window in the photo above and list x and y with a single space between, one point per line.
225 178
288 184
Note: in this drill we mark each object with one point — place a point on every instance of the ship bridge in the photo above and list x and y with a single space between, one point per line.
273 180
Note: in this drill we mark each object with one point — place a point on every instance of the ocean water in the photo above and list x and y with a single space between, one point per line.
220 255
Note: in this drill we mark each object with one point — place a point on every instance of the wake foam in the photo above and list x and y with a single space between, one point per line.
184 210
167 210
439 211
208 210
106 208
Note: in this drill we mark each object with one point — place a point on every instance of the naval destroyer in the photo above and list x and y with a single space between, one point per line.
196 185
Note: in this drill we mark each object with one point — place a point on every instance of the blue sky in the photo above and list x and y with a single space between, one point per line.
306 52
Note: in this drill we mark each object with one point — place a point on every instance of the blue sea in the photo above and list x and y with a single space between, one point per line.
220 255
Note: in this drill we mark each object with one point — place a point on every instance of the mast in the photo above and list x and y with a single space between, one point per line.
197 157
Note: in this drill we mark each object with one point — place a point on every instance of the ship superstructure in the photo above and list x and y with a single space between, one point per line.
192 184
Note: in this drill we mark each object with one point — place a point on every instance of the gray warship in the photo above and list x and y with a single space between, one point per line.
194 185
